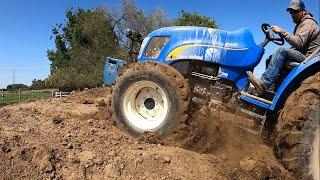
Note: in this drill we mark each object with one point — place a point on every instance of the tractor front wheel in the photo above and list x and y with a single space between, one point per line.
150 97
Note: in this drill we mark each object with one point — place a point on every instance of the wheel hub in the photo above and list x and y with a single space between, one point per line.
145 105
149 103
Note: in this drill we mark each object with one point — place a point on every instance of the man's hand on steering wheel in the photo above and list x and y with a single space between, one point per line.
276 29
272 33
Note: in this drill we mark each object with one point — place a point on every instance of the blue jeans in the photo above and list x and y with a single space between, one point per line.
276 62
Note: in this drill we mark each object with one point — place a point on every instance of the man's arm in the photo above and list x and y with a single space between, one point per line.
300 39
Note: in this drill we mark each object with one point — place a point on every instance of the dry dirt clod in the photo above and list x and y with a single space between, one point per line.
112 153
86 157
69 146
5 149
87 101
99 161
101 103
65 142
5 114
69 135
167 159
56 120
248 164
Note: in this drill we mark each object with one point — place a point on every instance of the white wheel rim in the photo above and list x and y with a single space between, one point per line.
145 105
315 156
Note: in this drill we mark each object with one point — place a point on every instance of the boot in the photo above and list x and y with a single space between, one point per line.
257 83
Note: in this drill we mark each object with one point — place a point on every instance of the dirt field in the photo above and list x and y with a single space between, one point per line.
75 138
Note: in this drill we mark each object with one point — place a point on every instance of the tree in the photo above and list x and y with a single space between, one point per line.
130 17
195 19
89 36
82 44
37 84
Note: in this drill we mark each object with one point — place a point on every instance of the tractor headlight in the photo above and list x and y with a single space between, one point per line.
155 46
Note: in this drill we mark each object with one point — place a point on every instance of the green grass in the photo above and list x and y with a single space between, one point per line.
10 98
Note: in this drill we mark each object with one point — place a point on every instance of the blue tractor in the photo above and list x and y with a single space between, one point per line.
177 66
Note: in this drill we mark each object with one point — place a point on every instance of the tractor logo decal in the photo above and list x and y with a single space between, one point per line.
200 52
196 51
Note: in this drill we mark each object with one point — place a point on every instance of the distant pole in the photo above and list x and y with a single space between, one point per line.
13 76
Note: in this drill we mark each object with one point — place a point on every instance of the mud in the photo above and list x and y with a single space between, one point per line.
76 138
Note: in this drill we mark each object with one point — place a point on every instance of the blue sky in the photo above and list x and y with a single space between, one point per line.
26 26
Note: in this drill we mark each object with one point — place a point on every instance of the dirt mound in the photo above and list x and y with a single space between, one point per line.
91 96
69 138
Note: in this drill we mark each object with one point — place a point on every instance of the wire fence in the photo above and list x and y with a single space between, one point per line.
9 97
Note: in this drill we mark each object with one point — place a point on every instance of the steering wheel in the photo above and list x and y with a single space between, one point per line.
270 35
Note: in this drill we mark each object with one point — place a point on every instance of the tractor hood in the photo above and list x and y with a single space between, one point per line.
230 48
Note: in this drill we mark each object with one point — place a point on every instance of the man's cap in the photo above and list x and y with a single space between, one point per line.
296 5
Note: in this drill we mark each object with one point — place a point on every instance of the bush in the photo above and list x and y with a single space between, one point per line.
17 86
69 79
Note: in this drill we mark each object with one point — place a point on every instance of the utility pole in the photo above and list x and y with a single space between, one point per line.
13 76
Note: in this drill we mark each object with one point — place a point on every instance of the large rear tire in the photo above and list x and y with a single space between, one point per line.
150 97
297 131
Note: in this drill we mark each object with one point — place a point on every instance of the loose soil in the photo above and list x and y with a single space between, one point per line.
76 138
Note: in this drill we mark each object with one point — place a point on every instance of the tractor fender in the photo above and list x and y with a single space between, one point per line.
293 81
111 70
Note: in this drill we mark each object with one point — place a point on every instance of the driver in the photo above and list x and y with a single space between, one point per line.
304 41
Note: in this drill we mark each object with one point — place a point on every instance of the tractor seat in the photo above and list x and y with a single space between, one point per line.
292 64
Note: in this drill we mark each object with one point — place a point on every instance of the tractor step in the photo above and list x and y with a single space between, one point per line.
205 76
253 121
255 124
261 102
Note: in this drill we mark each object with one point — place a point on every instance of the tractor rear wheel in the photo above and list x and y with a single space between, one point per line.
150 97
297 131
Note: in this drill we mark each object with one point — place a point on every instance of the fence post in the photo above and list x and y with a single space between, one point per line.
2 96
32 94
51 93
19 94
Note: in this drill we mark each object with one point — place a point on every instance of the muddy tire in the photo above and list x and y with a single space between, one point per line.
150 97
297 131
